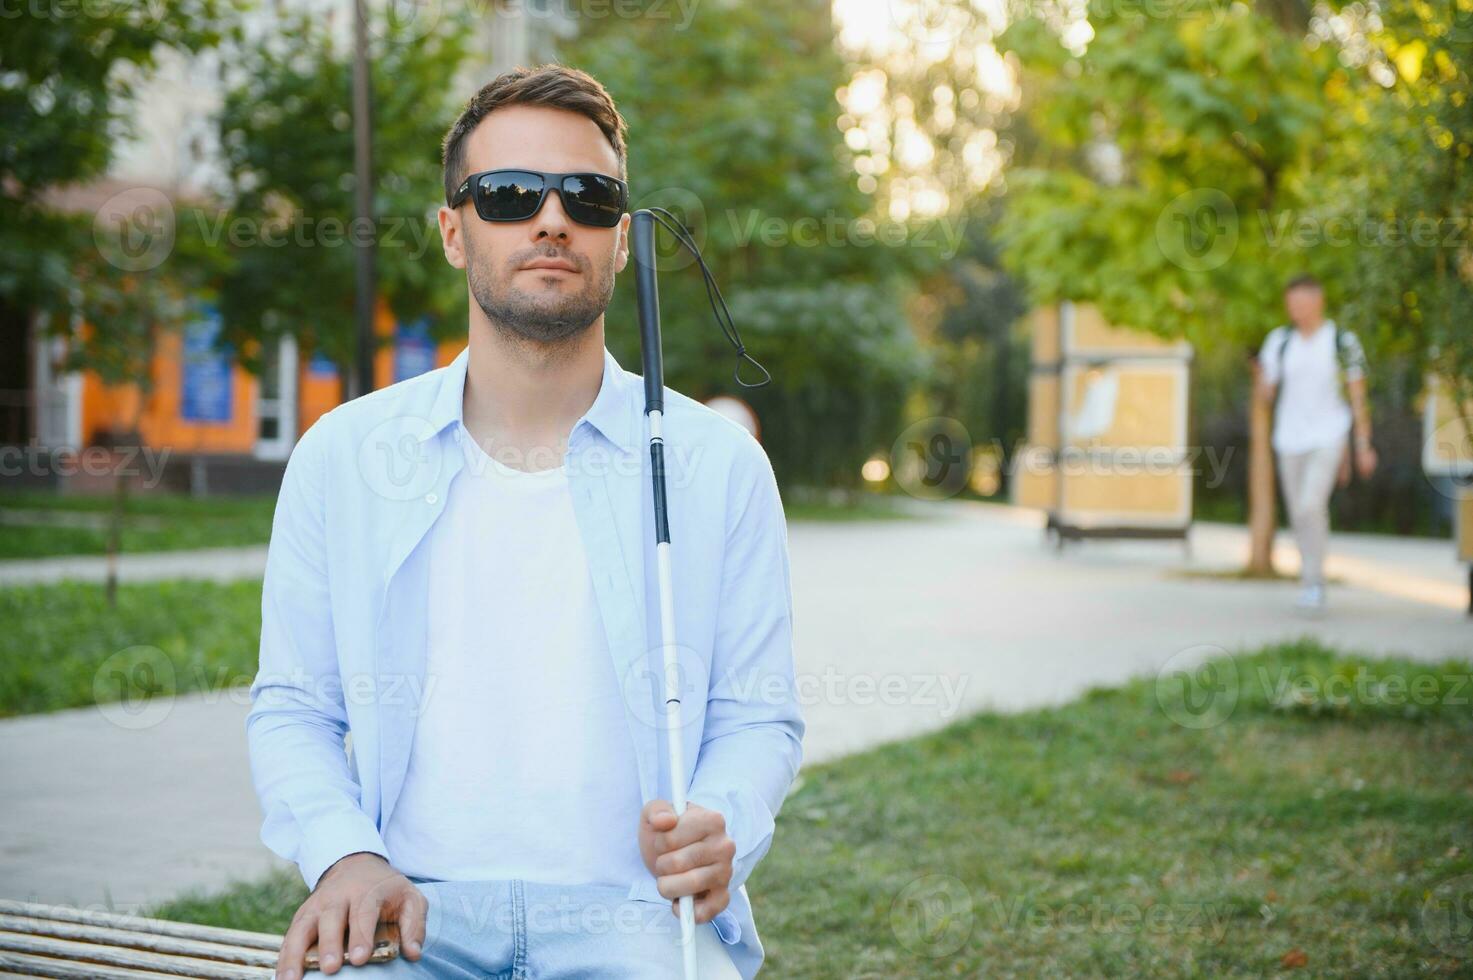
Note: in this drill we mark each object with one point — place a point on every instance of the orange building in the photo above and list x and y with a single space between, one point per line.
218 423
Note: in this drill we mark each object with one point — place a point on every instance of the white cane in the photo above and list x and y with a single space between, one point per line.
647 294
642 240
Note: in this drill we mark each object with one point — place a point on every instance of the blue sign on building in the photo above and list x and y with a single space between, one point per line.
414 351
322 366
207 389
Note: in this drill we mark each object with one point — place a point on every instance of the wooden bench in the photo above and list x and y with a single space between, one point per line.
58 941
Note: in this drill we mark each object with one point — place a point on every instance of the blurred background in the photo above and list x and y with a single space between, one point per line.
1008 263
887 188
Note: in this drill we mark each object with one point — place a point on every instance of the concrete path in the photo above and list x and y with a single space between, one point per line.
215 564
902 627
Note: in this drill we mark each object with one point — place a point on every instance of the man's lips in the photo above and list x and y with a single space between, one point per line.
561 264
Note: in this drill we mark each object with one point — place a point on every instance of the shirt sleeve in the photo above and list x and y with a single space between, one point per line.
1352 356
308 790
751 745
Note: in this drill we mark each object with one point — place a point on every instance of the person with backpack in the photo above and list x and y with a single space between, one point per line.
1301 368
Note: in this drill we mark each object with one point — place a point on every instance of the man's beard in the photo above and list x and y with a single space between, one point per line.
548 316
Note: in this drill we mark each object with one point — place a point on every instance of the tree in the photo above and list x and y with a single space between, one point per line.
1166 154
981 355
732 126
923 110
287 230
1417 270
72 78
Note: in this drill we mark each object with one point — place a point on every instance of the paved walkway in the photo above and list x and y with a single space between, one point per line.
216 564
902 626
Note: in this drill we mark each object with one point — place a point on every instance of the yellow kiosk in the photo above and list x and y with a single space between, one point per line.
1106 452
1447 459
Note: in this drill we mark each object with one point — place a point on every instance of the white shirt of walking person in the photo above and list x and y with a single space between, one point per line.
1302 367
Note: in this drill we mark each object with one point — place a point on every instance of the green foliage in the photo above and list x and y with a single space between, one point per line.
1178 167
286 130
979 348
1169 150
1416 282
732 127
1348 157
72 75
71 81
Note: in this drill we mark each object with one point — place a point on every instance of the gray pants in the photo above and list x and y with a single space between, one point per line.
1308 480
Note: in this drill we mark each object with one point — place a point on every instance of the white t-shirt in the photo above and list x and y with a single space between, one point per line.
1311 413
546 788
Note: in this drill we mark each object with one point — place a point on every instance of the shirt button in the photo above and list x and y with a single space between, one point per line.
430 498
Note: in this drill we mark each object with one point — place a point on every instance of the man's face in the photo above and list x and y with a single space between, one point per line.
545 305
1305 305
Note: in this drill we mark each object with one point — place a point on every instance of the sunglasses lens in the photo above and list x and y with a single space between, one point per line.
593 199
508 195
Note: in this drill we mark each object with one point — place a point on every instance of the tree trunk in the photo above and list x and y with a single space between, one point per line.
134 435
115 531
1261 500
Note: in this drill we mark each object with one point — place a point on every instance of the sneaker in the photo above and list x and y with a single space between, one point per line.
1311 599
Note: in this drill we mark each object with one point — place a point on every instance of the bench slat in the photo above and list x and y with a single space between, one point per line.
131 939
69 952
137 923
42 966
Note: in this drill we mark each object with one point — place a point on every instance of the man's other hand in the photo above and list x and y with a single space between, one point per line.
689 856
352 897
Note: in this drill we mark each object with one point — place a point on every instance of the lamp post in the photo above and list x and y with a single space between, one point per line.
365 239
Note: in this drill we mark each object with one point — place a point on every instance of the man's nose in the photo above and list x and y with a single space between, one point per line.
551 220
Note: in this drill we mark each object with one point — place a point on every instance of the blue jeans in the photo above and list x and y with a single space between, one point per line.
522 930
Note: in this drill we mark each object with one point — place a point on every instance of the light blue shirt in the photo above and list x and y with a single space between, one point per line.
344 616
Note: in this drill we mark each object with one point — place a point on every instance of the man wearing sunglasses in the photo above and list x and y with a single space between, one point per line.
461 576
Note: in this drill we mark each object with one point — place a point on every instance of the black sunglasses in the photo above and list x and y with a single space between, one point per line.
516 195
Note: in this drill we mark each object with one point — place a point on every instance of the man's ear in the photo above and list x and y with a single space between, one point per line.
621 250
450 237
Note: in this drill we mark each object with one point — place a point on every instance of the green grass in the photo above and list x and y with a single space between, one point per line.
39 525
42 525
1105 839
63 647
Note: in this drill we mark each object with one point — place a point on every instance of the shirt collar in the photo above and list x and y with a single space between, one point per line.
609 413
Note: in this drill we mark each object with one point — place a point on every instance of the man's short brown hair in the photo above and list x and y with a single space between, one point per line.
557 86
